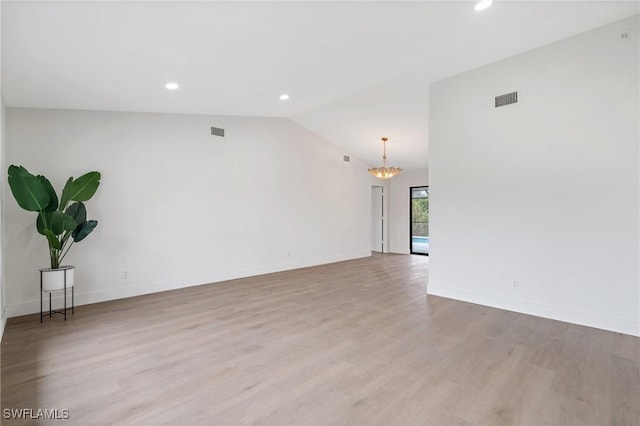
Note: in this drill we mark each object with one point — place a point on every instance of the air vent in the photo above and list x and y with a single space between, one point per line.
506 99
346 158
216 131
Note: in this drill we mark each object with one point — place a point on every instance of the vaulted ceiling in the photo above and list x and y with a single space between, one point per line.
355 71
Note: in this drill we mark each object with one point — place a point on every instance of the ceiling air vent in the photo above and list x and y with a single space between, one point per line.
216 131
506 99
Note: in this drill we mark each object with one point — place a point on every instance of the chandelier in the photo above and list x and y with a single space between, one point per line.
384 172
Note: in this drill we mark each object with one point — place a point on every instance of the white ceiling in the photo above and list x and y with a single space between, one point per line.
355 71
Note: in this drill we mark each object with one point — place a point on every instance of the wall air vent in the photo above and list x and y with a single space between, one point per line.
216 131
346 158
506 99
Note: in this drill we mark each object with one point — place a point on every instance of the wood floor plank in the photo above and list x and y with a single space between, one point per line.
350 343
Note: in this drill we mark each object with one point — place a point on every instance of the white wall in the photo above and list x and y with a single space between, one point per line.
543 193
3 179
179 207
399 207
3 311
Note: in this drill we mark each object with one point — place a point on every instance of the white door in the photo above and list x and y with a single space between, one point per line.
377 218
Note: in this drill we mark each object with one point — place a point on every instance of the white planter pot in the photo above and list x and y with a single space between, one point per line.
54 279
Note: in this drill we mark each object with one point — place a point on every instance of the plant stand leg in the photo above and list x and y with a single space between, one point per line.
73 302
40 297
49 304
65 296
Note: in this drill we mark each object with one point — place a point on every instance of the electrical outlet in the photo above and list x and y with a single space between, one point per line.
516 284
125 275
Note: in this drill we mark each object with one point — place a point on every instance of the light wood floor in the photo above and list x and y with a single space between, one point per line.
352 343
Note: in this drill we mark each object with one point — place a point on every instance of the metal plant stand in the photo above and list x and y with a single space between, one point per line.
57 311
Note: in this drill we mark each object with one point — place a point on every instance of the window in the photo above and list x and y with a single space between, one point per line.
419 219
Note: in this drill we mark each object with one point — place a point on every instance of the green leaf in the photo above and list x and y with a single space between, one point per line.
57 222
40 222
53 198
78 212
83 188
68 222
64 199
27 189
54 242
84 229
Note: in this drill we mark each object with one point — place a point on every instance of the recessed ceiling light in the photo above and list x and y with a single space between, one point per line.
171 86
482 5
284 97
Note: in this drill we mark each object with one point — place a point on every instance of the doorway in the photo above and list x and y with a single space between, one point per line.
419 220
377 219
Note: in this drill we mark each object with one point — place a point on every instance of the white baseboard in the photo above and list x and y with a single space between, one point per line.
32 307
589 319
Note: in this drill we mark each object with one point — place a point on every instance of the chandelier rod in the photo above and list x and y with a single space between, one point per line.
384 152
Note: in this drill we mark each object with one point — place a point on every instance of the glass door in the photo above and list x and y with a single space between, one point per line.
419 219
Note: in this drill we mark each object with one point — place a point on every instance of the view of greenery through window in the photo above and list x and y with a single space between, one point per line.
420 212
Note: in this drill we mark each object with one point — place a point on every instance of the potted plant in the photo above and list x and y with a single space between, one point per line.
61 223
